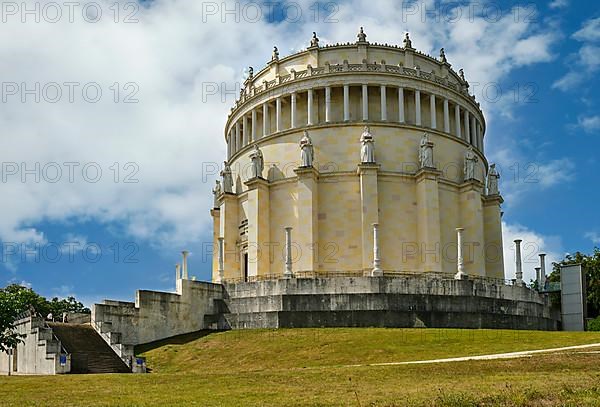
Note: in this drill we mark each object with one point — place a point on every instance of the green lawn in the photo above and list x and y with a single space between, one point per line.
264 349
309 367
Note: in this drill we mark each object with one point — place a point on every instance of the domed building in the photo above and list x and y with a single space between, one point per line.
368 159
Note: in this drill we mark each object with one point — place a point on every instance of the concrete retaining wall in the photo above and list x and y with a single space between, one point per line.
38 354
157 315
399 301
385 302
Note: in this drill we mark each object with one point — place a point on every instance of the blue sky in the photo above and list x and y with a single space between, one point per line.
168 139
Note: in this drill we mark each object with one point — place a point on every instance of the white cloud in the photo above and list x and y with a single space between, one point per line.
589 124
173 50
532 245
587 59
553 172
593 236
590 31
522 175
554 4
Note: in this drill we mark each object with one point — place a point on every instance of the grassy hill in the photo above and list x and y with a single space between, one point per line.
319 367
263 349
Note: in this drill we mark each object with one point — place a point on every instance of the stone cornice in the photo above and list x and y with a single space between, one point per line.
490 200
256 182
303 172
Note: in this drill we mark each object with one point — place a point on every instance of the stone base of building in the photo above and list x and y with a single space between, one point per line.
401 302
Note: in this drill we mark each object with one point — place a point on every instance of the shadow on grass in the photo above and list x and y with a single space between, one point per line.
173 340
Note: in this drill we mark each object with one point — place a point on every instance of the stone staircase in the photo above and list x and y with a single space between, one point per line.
113 339
89 351
45 338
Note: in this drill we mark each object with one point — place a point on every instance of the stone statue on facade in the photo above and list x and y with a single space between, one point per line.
258 163
250 72
492 180
470 162
367 149
275 56
306 151
362 37
407 42
227 178
443 56
216 193
426 152
461 73
314 42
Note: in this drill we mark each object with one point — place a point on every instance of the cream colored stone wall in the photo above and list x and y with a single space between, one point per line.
332 208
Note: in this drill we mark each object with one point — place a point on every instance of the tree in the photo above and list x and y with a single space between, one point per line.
591 265
15 299
70 304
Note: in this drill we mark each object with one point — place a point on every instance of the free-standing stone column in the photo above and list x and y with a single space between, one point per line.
518 263
401 105
457 120
346 103
432 111
293 110
253 132
238 136
383 103
221 254
233 141
177 272
365 102
229 145
265 119
542 270
446 117
473 131
460 260
376 260
278 115
369 199
309 103
327 104
287 273
417 107
538 278
184 254
245 133
467 127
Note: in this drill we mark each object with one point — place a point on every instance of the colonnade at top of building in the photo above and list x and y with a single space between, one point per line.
373 103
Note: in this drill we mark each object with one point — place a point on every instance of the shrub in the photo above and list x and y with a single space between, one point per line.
594 324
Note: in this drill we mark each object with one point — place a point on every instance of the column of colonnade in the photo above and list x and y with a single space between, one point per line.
244 131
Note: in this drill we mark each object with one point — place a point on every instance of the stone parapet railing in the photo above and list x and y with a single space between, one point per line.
345 67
